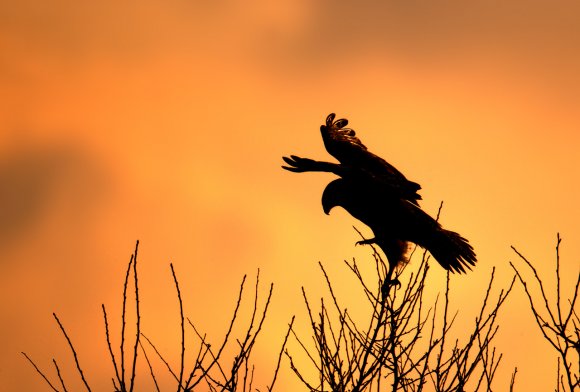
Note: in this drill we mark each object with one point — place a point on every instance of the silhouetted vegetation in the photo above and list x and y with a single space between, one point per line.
406 342
557 319
407 345
210 369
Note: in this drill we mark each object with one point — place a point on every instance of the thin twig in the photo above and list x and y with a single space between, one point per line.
182 319
39 371
73 351
59 375
109 345
160 356
124 322
149 365
138 321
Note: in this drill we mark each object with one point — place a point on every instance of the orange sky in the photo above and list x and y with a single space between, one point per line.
165 121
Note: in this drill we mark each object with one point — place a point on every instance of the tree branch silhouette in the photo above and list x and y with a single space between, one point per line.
559 325
404 344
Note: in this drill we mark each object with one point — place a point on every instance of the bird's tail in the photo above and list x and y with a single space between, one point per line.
451 250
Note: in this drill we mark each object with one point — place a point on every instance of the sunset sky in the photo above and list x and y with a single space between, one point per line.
166 121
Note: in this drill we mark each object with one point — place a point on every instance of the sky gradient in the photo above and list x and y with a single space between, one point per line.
166 121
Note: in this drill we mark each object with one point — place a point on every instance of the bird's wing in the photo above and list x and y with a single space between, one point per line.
343 144
339 141
298 164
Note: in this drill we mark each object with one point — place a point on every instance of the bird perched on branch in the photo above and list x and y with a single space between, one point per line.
376 193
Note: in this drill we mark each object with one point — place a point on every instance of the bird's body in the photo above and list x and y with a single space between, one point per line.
395 222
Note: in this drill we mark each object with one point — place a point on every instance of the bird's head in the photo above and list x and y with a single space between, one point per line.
332 195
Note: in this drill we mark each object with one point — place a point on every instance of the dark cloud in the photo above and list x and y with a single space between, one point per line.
531 34
37 179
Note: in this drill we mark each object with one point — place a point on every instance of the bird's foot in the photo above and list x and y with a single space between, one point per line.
387 284
367 242
392 282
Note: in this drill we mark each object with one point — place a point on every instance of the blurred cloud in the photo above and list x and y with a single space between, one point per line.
38 179
428 34
324 31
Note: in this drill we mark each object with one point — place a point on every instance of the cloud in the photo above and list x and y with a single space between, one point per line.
524 34
38 179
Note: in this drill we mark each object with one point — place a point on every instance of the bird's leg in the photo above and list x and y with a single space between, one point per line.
389 282
392 277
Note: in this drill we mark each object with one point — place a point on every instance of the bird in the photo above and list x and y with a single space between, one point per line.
356 161
374 192
395 222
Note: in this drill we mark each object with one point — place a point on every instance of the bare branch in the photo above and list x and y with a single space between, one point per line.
73 351
182 320
39 371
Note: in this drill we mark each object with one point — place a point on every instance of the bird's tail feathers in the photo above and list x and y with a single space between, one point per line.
452 251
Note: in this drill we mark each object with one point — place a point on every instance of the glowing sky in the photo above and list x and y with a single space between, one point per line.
165 121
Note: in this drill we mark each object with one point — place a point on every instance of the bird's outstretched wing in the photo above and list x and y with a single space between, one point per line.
356 161
394 189
343 144
340 142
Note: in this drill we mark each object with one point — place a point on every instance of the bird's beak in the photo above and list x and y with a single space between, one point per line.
328 203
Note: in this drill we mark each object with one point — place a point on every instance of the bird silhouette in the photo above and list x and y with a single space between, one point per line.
380 196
